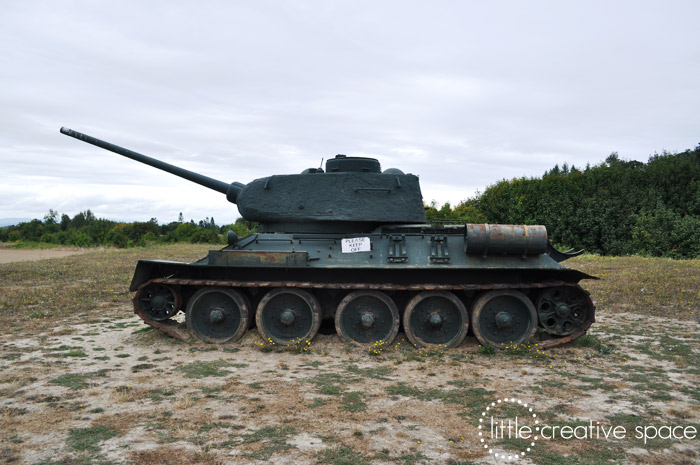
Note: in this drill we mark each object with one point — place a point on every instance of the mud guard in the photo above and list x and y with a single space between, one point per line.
559 256
151 269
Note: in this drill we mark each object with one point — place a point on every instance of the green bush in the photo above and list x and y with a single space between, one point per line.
205 236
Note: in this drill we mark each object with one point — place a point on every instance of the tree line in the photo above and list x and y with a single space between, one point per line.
85 230
616 207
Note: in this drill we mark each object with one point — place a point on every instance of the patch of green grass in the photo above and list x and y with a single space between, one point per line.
72 353
123 355
675 347
596 383
601 386
487 350
143 330
204 369
157 395
317 403
693 392
630 422
330 383
655 386
643 374
330 390
273 439
403 389
472 398
122 325
413 459
76 381
551 383
209 348
142 366
597 453
592 341
62 348
587 340
353 401
605 349
380 372
87 439
342 455
460 383
12 411
211 389
411 355
314 364
215 425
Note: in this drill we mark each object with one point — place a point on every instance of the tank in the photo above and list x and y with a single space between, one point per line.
348 248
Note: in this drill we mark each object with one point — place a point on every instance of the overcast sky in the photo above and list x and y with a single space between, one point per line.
461 93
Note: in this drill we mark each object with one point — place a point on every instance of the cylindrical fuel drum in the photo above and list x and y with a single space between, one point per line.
508 239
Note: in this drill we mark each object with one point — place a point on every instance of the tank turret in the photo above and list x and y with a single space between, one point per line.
352 195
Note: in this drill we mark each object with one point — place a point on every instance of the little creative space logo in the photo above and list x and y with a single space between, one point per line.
496 423
514 422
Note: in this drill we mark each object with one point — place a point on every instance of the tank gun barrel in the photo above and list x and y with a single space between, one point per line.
231 190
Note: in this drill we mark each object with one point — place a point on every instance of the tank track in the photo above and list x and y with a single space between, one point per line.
542 337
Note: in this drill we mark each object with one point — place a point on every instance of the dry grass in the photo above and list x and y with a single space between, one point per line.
35 295
173 456
184 402
648 286
169 402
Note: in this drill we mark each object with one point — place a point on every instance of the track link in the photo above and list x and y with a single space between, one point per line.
543 339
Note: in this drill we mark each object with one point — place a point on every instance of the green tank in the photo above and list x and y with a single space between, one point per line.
348 248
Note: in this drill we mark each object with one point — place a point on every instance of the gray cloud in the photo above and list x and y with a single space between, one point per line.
461 93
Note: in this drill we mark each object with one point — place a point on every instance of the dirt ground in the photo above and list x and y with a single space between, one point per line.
110 390
115 392
8 255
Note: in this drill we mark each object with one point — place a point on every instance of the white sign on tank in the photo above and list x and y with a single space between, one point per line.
356 244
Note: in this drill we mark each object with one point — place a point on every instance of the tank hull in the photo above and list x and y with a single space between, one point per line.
433 282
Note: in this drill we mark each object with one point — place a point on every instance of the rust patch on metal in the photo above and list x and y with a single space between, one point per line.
548 341
257 258
376 286
172 328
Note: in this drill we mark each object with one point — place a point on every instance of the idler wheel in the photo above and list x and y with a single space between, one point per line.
158 302
435 318
218 314
366 317
287 316
563 310
503 318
